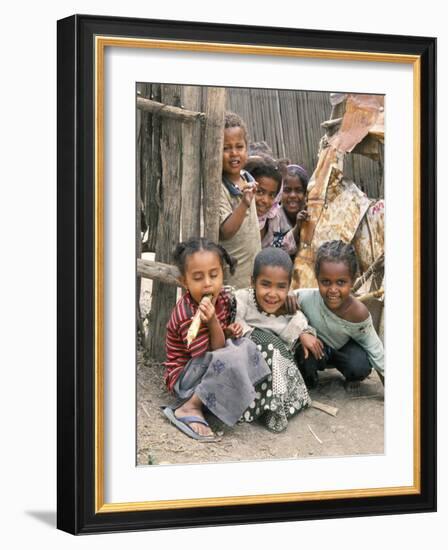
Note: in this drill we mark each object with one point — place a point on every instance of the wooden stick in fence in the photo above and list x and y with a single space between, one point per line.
168 111
158 271
375 294
377 264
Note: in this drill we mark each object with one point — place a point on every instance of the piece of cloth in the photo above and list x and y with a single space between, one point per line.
248 314
177 352
246 243
279 233
351 361
336 332
224 379
283 394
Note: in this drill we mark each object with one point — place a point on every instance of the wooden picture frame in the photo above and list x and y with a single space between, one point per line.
82 41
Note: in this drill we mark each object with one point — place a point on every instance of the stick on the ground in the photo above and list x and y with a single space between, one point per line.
312 431
332 411
146 412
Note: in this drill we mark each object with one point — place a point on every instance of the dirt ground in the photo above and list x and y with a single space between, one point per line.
357 428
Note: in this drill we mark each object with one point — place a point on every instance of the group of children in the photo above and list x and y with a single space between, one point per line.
259 346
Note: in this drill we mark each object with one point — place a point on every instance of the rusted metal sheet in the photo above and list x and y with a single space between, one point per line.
362 113
369 238
337 208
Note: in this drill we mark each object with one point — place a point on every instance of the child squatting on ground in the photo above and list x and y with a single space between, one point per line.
346 338
262 314
238 220
211 371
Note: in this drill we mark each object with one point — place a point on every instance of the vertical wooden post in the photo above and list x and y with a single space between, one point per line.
138 212
191 167
164 296
152 167
212 145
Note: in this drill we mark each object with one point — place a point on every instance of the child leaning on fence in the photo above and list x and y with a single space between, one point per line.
204 370
238 230
263 316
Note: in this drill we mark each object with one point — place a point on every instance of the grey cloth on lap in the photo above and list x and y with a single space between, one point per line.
224 379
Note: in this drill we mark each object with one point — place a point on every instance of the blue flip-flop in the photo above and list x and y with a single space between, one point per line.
183 424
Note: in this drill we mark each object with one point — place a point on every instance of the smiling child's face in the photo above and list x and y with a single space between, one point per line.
271 288
235 153
335 283
265 194
293 195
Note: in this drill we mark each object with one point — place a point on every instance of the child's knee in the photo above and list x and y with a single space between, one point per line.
358 367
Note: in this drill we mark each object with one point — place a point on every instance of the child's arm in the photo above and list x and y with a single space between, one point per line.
232 223
302 216
367 337
208 316
296 326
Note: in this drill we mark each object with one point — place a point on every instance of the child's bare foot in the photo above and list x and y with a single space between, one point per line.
193 407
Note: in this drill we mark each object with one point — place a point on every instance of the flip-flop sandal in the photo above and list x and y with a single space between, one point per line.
183 424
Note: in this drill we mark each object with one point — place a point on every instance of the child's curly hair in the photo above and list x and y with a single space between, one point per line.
337 251
232 120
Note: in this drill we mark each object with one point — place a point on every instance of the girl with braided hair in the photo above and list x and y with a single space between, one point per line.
205 370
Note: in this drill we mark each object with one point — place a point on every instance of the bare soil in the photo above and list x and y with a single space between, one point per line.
357 429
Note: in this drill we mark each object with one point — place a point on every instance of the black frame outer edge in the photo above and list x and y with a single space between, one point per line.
76 282
67 486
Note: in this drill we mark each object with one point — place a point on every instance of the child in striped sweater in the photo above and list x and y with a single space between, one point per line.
210 372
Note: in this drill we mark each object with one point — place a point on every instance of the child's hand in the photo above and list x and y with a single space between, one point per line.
248 191
207 310
291 306
311 344
302 216
234 330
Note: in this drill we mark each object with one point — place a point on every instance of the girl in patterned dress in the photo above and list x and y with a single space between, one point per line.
263 317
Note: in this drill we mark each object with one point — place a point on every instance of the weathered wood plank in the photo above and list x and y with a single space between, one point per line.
212 144
191 166
164 296
151 168
138 213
